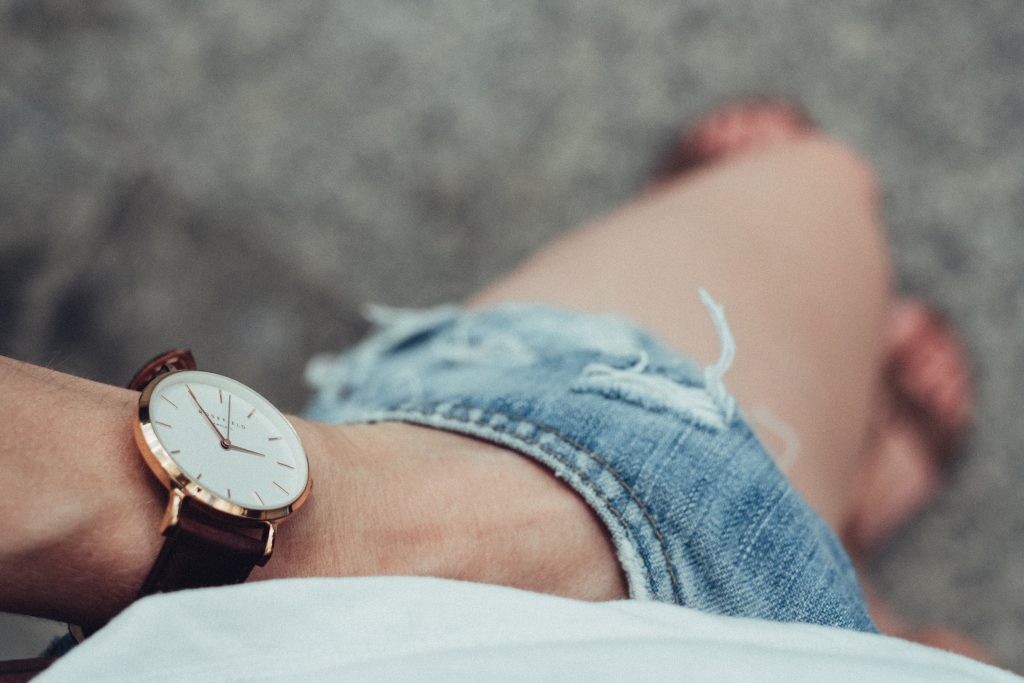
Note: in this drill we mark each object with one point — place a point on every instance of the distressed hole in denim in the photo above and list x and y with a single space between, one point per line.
653 392
605 335
710 406
399 328
464 347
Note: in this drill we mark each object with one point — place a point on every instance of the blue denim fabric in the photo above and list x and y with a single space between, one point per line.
697 509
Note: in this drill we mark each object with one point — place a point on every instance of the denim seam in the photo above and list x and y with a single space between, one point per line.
431 409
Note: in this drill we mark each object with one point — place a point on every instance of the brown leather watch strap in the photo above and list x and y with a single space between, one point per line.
21 670
169 361
199 551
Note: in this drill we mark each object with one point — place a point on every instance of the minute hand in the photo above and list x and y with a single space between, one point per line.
223 441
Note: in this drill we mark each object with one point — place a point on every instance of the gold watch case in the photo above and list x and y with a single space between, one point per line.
182 486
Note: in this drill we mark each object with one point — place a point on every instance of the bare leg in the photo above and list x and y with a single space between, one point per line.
788 240
780 224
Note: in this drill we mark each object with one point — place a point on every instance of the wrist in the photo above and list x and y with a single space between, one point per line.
398 499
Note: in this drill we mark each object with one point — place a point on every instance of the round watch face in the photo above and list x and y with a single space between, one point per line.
223 443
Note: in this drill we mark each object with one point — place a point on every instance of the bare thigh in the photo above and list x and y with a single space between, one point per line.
788 240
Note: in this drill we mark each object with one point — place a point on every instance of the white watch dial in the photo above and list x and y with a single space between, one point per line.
228 439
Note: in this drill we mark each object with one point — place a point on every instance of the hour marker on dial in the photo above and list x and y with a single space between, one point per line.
259 498
162 424
282 488
175 452
169 401
250 413
284 464
274 438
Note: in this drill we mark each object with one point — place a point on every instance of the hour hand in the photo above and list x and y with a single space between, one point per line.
233 447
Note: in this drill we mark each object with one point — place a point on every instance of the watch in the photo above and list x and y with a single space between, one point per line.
233 467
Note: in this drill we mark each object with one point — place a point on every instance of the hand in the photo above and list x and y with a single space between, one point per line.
223 441
226 443
233 447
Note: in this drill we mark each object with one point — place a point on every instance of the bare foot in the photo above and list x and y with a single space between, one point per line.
927 407
928 404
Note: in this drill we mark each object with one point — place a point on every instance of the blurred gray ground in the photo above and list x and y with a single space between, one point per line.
242 177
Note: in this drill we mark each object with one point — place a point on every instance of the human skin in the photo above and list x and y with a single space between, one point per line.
786 238
81 512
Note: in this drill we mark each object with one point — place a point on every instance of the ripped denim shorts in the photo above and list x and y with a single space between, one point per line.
698 511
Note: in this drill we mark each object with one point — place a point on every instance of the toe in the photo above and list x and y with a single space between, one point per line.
929 399
929 367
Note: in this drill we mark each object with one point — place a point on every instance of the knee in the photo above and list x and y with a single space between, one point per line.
852 233
854 182
847 164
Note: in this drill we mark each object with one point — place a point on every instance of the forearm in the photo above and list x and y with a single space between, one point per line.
78 513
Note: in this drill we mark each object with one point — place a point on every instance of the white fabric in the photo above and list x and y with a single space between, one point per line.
399 628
